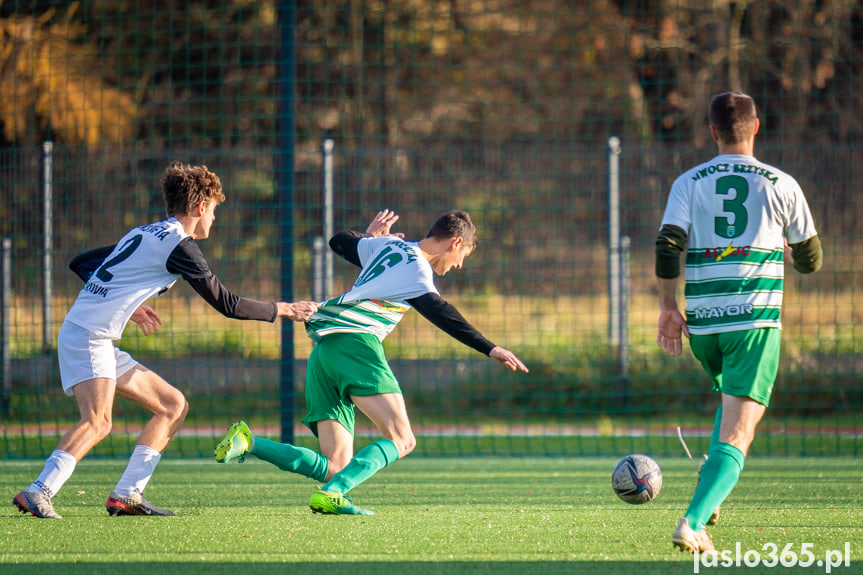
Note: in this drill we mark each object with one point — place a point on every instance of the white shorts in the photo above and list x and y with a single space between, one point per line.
84 356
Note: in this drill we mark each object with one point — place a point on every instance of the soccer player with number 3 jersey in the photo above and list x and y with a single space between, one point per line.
740 217
118 279
348 368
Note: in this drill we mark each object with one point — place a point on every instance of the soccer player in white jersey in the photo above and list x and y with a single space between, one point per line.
347 367
145 263
740 218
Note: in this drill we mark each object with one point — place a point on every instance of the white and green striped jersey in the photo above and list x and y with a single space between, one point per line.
393 271
736 211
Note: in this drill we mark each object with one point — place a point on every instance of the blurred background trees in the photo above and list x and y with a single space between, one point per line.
503 106
202 74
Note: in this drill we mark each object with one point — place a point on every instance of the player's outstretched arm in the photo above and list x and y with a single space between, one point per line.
297 311
445 316
507 358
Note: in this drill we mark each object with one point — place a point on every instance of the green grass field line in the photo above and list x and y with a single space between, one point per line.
433 515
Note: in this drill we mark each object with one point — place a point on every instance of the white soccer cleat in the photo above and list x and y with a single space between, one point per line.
686 538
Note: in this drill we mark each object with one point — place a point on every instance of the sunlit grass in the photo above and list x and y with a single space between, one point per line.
492 515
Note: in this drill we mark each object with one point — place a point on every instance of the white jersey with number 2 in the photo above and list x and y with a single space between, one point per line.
736 212
133 273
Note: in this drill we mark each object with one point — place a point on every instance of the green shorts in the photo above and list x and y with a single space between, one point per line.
740 363
340 366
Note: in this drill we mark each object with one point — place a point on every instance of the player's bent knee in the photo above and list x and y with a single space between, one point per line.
184 410
175 406
100 425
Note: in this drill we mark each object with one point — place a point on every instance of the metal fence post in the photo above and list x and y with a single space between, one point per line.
327 149
287 12
318 250
623 348
47 245
614 240
5 321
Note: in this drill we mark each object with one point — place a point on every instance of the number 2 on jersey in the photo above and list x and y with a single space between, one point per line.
128 248
733 206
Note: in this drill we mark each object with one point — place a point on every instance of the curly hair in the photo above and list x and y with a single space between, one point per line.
186 186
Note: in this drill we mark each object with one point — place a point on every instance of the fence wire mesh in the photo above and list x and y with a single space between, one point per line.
500 107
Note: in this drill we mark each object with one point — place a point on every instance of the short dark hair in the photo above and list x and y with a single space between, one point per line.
454 224
733 114
186 186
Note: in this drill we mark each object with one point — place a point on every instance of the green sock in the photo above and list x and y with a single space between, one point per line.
717 423
718 478
366 463
288 457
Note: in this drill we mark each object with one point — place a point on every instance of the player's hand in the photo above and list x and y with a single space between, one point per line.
297 311
382 223
147 319
507 358
672 328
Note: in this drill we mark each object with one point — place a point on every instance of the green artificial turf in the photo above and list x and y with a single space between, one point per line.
490 515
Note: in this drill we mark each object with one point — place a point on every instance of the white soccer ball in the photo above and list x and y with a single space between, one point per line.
636 479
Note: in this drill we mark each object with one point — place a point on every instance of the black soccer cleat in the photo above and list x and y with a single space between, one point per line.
135 505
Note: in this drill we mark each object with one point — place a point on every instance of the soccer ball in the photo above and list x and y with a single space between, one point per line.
636 479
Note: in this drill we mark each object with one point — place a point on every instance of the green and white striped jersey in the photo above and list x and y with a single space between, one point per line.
736 211
393 271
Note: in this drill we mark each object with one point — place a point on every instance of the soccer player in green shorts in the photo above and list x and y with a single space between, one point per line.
740 218
347 366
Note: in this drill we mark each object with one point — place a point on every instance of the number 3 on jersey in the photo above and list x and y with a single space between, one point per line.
724 186
128 248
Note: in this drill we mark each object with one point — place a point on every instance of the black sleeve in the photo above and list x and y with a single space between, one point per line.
670 243
807 255
188 261
344 244
445 316
86 264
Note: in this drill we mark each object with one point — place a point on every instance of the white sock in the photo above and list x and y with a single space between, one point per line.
139 471
57 471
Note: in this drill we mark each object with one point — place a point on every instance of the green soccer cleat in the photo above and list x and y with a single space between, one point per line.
335 504
235 444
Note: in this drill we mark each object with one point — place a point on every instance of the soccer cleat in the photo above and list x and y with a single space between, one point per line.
235 444
714 517
687 539
335 504
135 505
36 503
